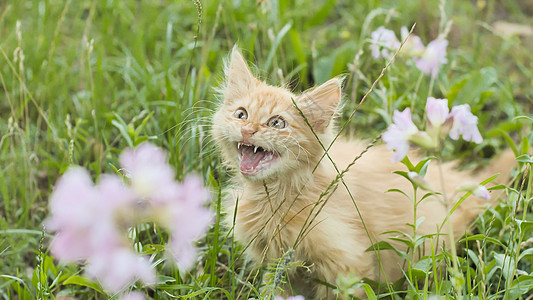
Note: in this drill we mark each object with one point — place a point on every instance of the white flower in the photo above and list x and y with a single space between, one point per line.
437 111
482 192
413 46
398 134
464 124
433 57
384 43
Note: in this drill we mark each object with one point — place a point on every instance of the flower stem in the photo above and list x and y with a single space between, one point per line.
455 268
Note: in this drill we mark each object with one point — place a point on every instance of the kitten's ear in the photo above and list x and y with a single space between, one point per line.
320 103
239 78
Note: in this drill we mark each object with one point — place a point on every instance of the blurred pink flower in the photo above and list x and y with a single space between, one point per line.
150 174
464 124
177 207
413 46
187 221
477 190
398 134
433 57
133 296
437 111
91 222
72 206
75 204
384 43
299 297
83 216
482 192
118 268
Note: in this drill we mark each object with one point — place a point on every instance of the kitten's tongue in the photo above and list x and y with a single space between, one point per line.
250 160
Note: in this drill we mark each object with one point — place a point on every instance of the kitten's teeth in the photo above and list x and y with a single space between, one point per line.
255 149
238 145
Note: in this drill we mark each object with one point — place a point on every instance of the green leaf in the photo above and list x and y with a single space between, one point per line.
123 129
524 225
481 237
401 192
525 253
383 245
520 286
491 178
509 141
523 118
335 63
478 83
490 269
162 279
506 263
524 158
143 123
428 195
524 145
321 15
275 45
297 46
422 167
419 221
473 256
205 290
408 163
408 243
424 265
419 241
497 187
403 174
83 281
369 292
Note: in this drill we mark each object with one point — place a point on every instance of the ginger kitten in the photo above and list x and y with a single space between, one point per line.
264 139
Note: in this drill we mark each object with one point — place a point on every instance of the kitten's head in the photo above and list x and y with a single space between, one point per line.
260 131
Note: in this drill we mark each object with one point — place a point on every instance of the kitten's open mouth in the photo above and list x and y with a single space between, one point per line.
254 159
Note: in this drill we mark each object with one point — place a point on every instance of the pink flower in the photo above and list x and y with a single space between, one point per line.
84 218
187 221
150 174
133 296
482 192
477 190
299 297
177 207
91 222
413 46
437 111
118 268
433 57
75 204
72 207
398 134
383 41
465 124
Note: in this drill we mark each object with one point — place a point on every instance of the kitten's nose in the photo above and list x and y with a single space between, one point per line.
247 132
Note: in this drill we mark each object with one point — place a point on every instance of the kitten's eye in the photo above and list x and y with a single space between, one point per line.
241 114
277 122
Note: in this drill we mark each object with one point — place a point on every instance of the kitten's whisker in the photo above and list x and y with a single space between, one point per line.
300 148
192 132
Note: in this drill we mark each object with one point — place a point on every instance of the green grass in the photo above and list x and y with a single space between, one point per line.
98 76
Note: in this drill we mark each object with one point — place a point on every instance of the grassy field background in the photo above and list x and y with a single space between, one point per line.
82 80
